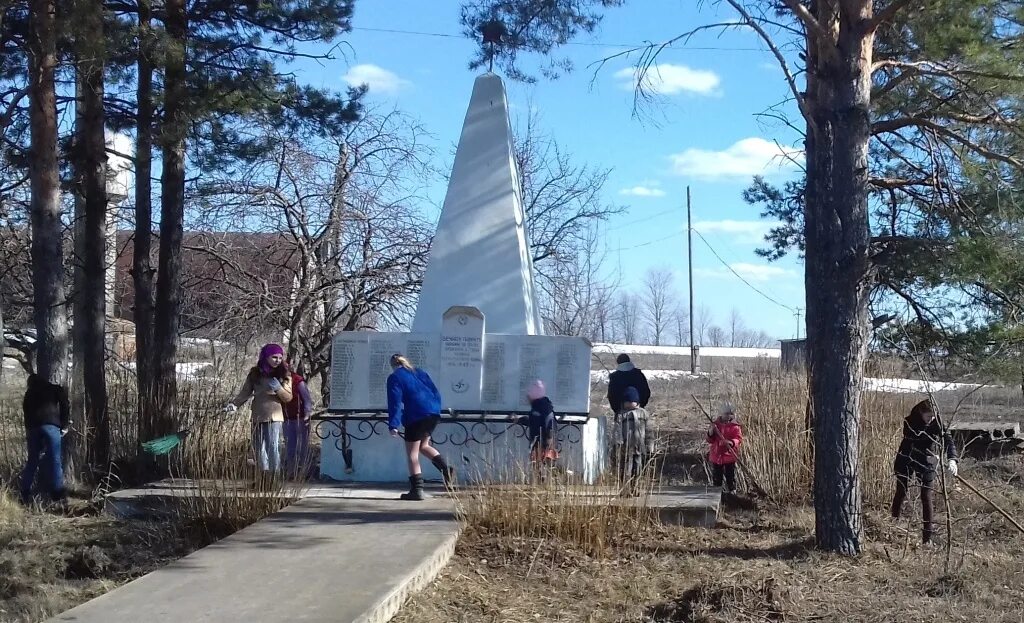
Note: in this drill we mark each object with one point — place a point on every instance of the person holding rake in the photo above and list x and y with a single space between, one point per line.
916 457
724 437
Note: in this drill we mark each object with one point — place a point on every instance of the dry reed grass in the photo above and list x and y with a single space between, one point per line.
213 463
549 505
778 443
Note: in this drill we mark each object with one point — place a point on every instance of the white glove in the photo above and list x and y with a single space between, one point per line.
275 384
951 467
230 408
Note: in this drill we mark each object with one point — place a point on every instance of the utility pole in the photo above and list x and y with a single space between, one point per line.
694 348
799 311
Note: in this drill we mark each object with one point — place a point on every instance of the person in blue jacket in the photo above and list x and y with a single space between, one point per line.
415 404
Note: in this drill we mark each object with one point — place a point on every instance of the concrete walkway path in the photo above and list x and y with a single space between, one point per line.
324 559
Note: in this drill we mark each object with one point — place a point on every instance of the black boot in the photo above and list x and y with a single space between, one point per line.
447 471
415 489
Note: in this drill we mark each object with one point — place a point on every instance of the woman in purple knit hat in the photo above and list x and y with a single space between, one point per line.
269 384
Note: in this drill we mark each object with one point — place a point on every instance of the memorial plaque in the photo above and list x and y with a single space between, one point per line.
501 373
474 371
349 374
382 346
462 358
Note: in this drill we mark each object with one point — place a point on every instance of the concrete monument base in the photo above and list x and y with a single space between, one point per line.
482 449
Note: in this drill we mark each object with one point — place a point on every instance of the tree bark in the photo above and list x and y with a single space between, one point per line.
142 265
837 265
47 251
172 210
91 292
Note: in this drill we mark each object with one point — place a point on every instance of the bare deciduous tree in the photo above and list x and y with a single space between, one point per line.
658 302
737 330
328 237
716 336
681 316
628 317
703 324
562 200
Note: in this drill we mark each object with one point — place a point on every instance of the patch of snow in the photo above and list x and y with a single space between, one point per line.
892 386
202 341
681 351
601 376
914 386
186 371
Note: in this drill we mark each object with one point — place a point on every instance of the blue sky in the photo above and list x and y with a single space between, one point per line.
703 132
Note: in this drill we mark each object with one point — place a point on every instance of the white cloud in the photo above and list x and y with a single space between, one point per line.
744 158
749 232
750 272
760 272
669 79
379 80
642 191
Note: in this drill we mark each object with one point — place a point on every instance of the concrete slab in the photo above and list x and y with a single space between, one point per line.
161 497
675 505
328 558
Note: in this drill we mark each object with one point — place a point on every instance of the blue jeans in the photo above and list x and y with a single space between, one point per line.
296 443
266 445
43 440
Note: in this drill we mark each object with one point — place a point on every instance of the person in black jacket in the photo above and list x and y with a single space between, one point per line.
47 418
626 375
916 456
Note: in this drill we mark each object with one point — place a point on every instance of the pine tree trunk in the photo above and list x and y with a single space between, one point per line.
172 209
76 443
47 251
837 268
91 293
142 266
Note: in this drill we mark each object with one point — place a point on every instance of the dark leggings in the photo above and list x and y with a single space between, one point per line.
725 472
927 479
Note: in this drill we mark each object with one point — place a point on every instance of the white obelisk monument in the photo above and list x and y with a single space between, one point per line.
477 332
480 256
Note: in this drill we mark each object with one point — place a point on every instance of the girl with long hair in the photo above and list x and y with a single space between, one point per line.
415 404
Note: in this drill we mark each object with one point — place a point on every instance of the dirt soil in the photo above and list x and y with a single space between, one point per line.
755 566
52 561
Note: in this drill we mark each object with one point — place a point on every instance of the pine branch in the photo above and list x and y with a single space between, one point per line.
790 80
887 14
927 123
809 21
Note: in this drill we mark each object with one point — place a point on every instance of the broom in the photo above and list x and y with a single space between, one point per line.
164 445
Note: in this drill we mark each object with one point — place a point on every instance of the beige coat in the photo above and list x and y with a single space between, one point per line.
267 405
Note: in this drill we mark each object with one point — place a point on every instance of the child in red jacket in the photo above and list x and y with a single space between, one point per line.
725 436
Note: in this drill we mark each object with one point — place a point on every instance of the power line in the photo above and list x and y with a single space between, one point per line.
621 248
738 276
596 44
641 220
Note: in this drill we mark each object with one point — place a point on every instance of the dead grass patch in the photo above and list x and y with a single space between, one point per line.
51 562
755 566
